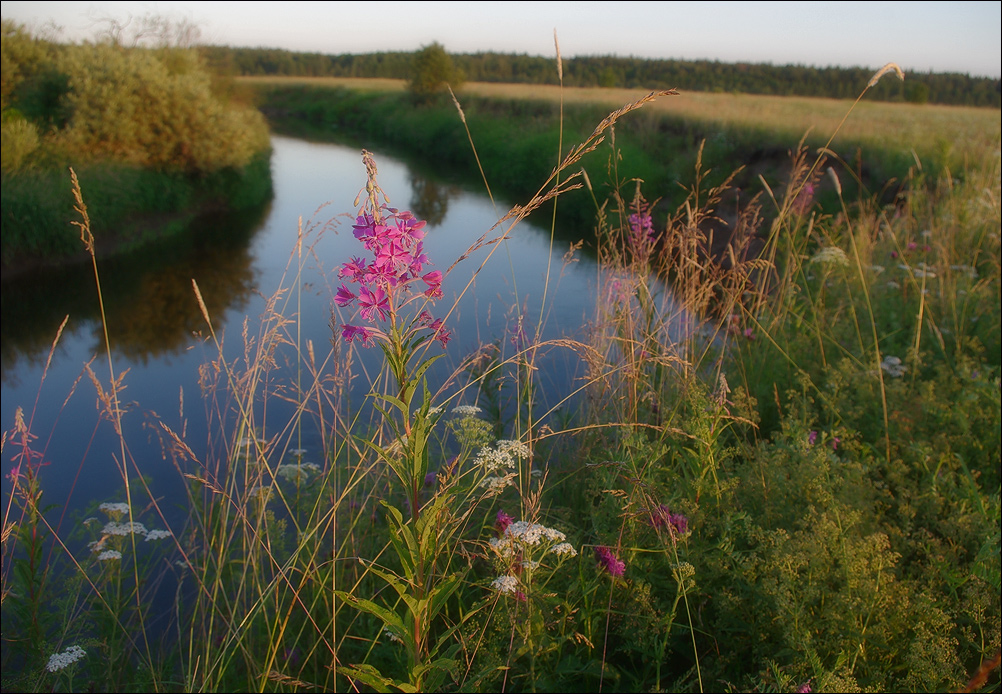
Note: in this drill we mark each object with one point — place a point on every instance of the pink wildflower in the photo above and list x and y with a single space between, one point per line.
344 296
434 281
608 561
350 332
676 523
372 300
502 522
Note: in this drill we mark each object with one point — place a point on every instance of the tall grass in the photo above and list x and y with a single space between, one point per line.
782 474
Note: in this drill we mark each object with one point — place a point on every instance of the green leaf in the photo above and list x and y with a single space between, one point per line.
390 618
368 675
396 402
441 594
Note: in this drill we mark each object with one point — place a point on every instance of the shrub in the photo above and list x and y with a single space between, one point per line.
431 71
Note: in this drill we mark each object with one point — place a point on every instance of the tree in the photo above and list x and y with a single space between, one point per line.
431 70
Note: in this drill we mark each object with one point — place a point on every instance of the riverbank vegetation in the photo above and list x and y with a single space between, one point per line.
802 494
515 128
148 133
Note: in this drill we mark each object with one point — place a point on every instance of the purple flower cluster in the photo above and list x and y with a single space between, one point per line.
676 523
641 227
502 522
388 281
608 561
804 199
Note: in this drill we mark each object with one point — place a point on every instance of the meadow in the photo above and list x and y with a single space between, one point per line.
798 492
963 132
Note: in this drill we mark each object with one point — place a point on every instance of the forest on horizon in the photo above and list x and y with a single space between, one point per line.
611 71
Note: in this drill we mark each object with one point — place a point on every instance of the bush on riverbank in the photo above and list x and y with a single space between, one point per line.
144 129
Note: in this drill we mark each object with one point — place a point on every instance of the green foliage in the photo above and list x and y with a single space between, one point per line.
131 205
147 107
20 140
151 140
432 71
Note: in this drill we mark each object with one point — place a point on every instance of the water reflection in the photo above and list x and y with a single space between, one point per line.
430 198
148 297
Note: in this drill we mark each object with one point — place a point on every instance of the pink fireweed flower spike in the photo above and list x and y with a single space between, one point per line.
384 279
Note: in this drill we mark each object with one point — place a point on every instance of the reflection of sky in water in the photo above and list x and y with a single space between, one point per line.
319 183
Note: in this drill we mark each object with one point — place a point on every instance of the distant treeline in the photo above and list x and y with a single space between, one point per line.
609 71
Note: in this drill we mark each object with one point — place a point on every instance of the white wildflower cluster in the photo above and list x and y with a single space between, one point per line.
116 510
920 271
831 255
109 555
564 548
436 409
58 661
298 472
297 452
123 529
533 533
515 448
495 485
154 535
875 269
892 366
502 455
505 584
520 534
466 410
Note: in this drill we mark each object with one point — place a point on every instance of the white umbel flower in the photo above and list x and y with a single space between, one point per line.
831 255
892 366
58 661
505 584
116 528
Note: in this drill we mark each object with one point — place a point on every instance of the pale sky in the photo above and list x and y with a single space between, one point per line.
919 36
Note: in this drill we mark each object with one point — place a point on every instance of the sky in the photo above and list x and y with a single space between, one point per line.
961 37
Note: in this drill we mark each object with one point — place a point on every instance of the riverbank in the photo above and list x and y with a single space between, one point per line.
128 207
515 129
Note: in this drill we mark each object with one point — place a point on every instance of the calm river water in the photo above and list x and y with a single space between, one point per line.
158 335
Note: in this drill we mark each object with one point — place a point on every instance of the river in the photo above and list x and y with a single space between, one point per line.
159 338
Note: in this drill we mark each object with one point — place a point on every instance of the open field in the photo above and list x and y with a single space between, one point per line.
961 131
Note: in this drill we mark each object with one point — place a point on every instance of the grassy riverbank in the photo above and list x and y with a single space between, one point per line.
804 496
517 128
132 207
